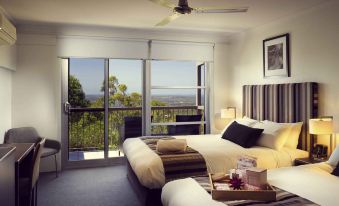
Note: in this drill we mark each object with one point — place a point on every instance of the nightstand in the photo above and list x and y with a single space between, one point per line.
308 160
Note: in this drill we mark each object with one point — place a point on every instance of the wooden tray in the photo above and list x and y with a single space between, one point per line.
228 195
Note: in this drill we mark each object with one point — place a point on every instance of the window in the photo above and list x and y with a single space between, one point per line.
177 98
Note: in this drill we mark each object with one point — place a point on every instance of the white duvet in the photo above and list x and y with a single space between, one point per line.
313 182
220 156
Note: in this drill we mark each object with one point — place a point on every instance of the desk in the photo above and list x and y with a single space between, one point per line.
23 154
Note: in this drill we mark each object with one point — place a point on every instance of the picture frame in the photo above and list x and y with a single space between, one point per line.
276 51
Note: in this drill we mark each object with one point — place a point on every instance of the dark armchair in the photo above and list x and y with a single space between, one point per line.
191 129
132 127
30 135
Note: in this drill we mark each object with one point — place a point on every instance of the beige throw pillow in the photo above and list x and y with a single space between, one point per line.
293 137
274 135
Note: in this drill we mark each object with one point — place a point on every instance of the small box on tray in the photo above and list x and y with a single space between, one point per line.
256 177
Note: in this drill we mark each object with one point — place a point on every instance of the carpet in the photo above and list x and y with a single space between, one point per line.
102 186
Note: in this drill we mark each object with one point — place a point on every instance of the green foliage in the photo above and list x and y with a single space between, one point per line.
77 96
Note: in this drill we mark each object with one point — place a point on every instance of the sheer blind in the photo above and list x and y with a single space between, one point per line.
102 48
171 50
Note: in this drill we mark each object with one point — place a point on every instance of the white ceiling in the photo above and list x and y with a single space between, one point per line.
144 14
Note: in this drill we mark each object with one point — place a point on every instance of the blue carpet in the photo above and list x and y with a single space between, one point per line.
103 186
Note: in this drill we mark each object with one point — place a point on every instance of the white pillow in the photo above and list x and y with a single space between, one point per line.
274 135
244 121
293 137
334 158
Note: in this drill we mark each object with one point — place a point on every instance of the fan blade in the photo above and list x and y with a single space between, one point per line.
216 10
168 19
164 3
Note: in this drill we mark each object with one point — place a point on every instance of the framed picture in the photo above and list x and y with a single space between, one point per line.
277 56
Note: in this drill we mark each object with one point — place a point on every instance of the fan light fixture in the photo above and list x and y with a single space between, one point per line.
183 8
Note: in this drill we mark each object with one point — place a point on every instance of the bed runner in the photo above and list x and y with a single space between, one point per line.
180 164
284 198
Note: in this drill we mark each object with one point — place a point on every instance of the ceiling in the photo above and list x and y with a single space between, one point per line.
145 14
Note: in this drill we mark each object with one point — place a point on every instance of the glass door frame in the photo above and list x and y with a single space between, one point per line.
146 111
66 163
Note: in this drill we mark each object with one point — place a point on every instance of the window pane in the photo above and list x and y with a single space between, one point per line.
86 117
86 82
125 88
125 101
176 105
174 73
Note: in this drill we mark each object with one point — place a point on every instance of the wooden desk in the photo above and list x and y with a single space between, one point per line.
23 154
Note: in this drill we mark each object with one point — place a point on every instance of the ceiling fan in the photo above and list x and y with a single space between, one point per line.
184 8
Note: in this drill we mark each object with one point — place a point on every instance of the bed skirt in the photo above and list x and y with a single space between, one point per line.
148 197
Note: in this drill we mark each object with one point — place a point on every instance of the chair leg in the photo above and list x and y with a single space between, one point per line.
31 195
56 166
36 195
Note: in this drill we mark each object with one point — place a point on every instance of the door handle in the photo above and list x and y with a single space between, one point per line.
67 107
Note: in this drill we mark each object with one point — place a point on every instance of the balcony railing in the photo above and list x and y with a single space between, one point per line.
86 125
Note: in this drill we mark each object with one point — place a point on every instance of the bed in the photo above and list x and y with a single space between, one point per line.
312 182
220 156
295 102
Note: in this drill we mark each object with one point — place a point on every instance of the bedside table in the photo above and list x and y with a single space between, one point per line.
308 160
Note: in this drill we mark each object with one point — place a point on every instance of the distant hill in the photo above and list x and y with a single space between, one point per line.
171 100
176 100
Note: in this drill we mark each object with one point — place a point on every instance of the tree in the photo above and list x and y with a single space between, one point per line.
77 97
113 83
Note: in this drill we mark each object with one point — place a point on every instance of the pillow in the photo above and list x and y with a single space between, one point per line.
244 121
274 135
242 135
334 158
336 171
293 137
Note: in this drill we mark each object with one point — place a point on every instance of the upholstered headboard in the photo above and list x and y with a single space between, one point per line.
295 102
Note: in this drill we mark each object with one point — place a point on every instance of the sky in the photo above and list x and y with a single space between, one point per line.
90 73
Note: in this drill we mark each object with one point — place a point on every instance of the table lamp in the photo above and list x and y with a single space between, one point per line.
322 126
228 113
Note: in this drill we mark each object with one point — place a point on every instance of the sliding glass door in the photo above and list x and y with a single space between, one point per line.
101 96
106 101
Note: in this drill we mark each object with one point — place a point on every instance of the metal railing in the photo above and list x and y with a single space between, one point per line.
86 125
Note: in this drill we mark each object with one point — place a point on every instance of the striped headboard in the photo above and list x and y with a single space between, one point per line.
294 102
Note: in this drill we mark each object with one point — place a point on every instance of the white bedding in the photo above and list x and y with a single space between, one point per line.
313 182
220 156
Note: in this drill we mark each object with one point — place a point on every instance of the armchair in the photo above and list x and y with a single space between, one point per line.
30 135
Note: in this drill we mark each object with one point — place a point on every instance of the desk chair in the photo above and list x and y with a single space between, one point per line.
29 185
30 135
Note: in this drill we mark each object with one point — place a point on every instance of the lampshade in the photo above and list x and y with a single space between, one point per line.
228 113
321 126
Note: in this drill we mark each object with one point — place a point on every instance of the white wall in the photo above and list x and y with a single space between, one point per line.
5 101
36 87
220 84
7 66
314 55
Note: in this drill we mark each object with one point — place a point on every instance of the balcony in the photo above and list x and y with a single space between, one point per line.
86 128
